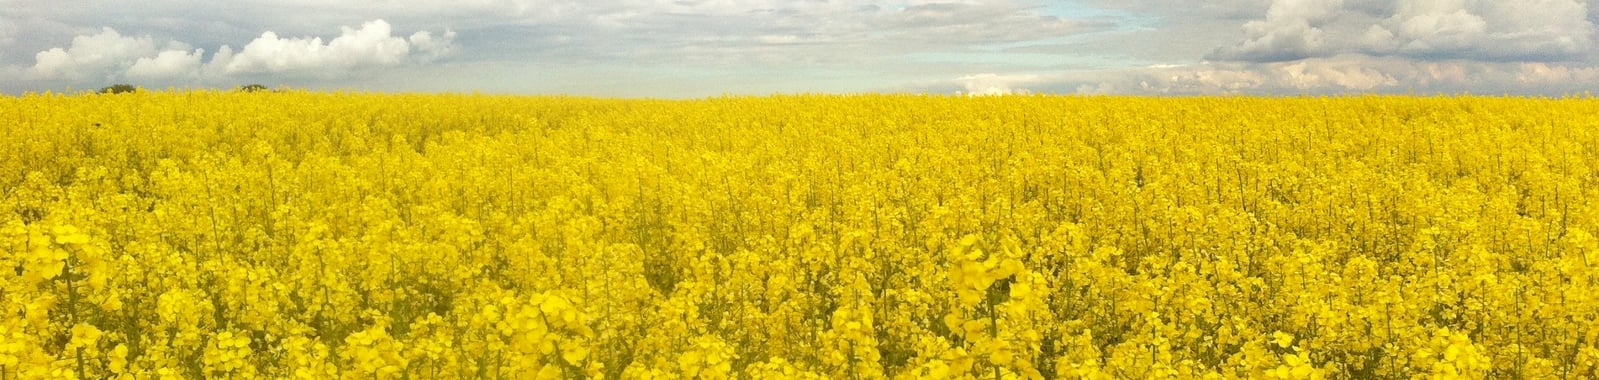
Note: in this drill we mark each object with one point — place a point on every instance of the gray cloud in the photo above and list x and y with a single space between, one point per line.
8 31
678 23
1544 30
1292 29
688 35
798 34
695 47
1538 31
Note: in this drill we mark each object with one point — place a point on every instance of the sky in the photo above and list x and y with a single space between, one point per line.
699 48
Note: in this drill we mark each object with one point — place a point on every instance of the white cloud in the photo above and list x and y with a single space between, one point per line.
1291 30
1132 46
1510 30
168 64
1349 73
1437 26
773 33
109 55
1528 30
372 45
996 84
779 39
219 62
1543 74
92 55
1354 76
861 37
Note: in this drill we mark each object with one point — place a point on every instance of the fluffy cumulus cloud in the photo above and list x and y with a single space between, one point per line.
108 55
1488 30
92 55
1533 47
1292 29
1535 30
374 44
167 64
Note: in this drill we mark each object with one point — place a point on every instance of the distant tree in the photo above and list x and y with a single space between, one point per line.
119 88
253 87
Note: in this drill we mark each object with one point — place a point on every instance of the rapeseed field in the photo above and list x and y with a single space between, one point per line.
233 235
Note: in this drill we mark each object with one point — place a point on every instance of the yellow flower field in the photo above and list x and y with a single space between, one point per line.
369 236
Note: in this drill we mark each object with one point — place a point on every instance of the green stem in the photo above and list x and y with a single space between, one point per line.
993 332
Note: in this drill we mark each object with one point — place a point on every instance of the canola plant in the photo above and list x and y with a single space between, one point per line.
309 235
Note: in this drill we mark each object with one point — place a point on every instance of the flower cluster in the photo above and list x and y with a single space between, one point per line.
369 236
